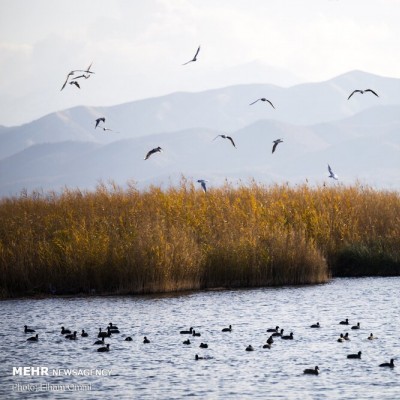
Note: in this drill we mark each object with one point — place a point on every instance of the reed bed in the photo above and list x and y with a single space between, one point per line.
126 241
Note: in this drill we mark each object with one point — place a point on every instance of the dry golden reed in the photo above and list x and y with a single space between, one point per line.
130 241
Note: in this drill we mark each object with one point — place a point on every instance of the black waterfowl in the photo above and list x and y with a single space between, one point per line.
273 330
64 331
341 338
262 99
103 349
84 334
288 337
389 364
197 357
128 339
356 326
203 345
194 333
152 151
371 337
275 143
71 336
362 92
249 348
33 338
99 341
187 341
358 355
312 371
194 58
270 340
114 330
103 334
278 333
267 346
145 340
112 326
345 322
227 329
346 336
226 137
317 325
28 330
189 332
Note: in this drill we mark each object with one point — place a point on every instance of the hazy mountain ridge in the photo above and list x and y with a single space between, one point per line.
359 137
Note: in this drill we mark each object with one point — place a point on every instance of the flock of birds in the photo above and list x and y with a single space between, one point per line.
72 79
273 333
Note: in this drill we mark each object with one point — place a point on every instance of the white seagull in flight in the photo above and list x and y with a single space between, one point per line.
331 173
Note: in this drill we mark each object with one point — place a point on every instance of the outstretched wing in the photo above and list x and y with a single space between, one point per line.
271 103
197 52
370 90
254 102
274 146
355 91
228 137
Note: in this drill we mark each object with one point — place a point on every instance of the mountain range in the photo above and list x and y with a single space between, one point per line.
359 138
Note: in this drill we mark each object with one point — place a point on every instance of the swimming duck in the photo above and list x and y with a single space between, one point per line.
372 337
273 330
317 325
189 332
310 371
28 330
99 341
345 322
227 329
358 355
356 326
103 349
84 334
186 341
341 338
145 340
249 348
33 338
270 340
196 333
104 334
278 333
346 336
288 337
128 339
64 331
71 336
204 345
267 346
197 357
389 364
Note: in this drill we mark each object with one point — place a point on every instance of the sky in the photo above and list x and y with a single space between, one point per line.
138 47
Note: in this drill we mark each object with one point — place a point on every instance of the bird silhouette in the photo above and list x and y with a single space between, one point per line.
86 74
75 83
331 173
98 120
155 150
226 137
194 58
262 99
203 184
276 142
362 92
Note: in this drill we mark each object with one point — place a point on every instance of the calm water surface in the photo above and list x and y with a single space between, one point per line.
166 368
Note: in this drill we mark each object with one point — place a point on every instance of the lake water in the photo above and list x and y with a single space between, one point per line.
165 368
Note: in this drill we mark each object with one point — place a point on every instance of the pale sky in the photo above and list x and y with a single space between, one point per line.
137 47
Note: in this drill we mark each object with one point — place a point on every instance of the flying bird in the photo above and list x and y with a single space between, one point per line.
98 120
276 142
262 99
86 74
194 58
75 83
331 173
226 137
203 184
108 129
155 150
362 92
